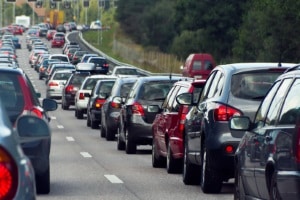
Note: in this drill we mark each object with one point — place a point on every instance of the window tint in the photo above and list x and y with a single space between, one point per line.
170 98
207 86
252 85
208 65
276 103
175 106
291 107
155 90
196 92
105 88
125 89
61 76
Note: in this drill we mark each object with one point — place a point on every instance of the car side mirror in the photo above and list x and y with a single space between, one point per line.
240 123
49 104
32 126
103 95
185 99
117 101
153 109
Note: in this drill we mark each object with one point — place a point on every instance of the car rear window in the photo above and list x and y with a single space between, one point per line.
154 91
252 86
61 76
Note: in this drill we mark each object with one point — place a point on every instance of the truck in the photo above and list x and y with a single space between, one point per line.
23 20
55 17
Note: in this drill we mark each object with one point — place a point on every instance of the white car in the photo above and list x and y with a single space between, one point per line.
82 95
125 71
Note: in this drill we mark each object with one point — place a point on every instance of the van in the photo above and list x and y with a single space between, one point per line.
198 65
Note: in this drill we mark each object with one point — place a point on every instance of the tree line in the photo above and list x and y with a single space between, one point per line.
230 30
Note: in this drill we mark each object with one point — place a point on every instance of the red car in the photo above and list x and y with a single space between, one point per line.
168 127
57 42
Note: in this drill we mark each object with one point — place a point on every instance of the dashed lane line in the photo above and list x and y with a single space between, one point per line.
113 178
70 139
86 154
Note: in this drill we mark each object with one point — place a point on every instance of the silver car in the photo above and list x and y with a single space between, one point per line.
56 83
17 178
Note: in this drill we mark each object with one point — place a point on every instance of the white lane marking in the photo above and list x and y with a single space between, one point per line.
53 117
60 126
70 139
113 178
86 154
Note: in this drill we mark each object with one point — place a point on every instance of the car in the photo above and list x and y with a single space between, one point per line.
125 71
85 57
34 54
267 158
17 173
231 89
83 93
198 65
168 127
98 96
43 70
68 45
20 98
43 32
50 34
16 42
56 83
70 52
71 87
39 60
59 56
60 28
110 112
57 42
77 56
101 64
136 116
57 66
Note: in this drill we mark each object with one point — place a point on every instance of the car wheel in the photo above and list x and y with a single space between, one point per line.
191 172
110 134
239 193
79 114
130 146
274 193
120 143
173 165
88 120
210 180
102 132
64 106
94 124
157 160
43 182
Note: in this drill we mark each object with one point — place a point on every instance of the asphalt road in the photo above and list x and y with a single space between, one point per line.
85 166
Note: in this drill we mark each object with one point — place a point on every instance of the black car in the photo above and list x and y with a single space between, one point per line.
98 96
110 111
136 115
71 87
102 66
267 161
232 89
60 28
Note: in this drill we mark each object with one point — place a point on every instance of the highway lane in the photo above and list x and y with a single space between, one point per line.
85 166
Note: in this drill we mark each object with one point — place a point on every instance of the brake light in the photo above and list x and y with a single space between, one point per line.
105 65
98 103
53 84
184 110
81 95
37 112
8 175
115 105
225 112
69 88
137 109
229 149
297 149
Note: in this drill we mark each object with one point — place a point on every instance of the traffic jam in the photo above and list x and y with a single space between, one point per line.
222 131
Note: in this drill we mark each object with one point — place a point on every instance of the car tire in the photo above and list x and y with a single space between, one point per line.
64 106
210 179
157 160
110 134
102 132
173 165
190 172
239 193
120 143
43 182
94 124
274 193
79 114
130 146
88 120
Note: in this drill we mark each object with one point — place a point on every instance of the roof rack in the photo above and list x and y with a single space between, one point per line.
297 67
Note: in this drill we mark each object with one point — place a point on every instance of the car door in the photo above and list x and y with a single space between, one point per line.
266 134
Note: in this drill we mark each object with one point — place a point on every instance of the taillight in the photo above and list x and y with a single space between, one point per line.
98 103
81 95
137 109
115 105
105 65
75 58
53 84
69 88
229 149
183 110
224 112
8 175
297 149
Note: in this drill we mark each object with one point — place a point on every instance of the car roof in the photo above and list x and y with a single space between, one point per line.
254 66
